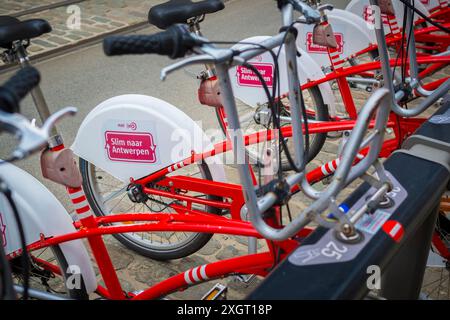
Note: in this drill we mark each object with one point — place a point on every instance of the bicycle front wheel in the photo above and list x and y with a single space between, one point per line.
43 275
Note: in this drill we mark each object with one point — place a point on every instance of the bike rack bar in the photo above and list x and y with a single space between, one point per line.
431 141
39 294
331 272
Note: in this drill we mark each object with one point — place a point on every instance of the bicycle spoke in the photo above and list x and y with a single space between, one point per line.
115 194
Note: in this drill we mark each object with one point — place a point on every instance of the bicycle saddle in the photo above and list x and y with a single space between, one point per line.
12 29
179 11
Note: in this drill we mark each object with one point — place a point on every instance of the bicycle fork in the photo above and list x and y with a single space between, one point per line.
58 165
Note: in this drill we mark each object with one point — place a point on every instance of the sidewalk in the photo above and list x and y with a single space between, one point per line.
98 18
14 7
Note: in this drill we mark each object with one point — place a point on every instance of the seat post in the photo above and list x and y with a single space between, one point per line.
194 27
36 93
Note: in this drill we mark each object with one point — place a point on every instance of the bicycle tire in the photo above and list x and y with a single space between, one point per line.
192 246
76 293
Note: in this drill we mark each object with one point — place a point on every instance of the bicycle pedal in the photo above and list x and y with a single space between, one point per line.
245 278
133 293
218 292
327 180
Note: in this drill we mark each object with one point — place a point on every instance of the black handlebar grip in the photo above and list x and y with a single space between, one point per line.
17 87
174 42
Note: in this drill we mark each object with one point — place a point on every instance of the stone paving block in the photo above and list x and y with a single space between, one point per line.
43 43
73 37
92 29
227 252
212 247
58 32
116 24
34 49
82 33
151 272
58 40
139 14
100 19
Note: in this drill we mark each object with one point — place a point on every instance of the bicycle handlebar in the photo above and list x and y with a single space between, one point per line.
175 42
32 138
311 15
16 88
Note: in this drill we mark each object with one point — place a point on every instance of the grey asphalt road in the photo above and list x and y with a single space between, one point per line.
86 77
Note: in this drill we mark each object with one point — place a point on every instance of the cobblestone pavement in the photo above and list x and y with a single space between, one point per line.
14 7
97 18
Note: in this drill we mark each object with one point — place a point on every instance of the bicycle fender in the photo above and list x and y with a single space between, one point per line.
132 136
361 9
41 215
249 90
398 6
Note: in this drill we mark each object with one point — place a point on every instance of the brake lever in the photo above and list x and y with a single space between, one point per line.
56 117
32 138
198 59
311 15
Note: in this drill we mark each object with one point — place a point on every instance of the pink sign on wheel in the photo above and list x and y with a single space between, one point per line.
130 146
247 77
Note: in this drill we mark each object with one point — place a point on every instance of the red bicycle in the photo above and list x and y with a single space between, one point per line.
196 204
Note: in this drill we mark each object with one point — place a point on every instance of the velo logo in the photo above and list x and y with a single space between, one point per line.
130 146
247 78
311 47
3 230
132 126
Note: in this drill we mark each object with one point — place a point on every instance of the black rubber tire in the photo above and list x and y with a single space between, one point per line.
77 294
320 138
187 249
6 283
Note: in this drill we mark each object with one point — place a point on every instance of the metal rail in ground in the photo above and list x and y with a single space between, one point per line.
45 7
76 46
